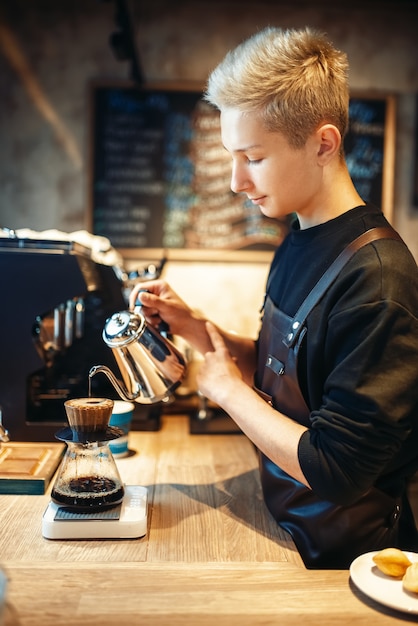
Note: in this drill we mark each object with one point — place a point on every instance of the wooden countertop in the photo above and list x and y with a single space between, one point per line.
186 594
212 554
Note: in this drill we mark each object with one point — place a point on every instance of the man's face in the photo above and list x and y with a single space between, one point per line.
277 177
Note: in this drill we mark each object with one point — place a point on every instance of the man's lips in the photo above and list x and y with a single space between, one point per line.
258 200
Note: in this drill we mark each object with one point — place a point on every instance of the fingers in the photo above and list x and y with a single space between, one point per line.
134 296
147 303
141 298
141 292
215 337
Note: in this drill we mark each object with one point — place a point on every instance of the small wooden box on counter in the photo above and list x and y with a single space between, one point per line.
27 468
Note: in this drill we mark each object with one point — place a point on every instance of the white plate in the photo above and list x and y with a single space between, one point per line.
384 589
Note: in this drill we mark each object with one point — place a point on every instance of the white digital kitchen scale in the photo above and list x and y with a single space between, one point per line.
128 520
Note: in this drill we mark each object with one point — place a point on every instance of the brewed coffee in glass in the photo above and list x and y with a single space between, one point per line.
88 478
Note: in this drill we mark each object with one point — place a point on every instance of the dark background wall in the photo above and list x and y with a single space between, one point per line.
51 51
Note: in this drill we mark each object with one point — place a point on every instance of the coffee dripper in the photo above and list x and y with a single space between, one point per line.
88 478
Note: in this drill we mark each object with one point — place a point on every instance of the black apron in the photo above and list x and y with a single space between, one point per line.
327 535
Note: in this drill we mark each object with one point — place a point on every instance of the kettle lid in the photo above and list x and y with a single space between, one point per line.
122 328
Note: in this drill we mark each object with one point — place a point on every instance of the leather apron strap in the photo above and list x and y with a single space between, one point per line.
330 276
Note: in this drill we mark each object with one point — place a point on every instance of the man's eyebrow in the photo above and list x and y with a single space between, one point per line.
247 148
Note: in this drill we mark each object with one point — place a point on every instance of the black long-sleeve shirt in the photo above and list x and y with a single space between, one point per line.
358 368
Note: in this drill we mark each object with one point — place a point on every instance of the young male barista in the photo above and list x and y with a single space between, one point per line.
330 401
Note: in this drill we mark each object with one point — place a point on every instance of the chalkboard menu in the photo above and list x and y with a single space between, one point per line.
160 177
365 146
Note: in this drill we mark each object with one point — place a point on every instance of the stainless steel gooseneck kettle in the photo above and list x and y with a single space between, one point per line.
150 364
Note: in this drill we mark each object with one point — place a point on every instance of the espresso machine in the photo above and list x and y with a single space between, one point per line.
55 300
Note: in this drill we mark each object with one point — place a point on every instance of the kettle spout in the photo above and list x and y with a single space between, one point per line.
115 382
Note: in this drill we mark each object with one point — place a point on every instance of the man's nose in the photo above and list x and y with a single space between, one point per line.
239 179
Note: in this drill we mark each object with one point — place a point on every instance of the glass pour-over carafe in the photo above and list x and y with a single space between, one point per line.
88 478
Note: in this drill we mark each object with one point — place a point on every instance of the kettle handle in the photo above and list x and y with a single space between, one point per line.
162 327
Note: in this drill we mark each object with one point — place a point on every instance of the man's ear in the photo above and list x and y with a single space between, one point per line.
329 143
